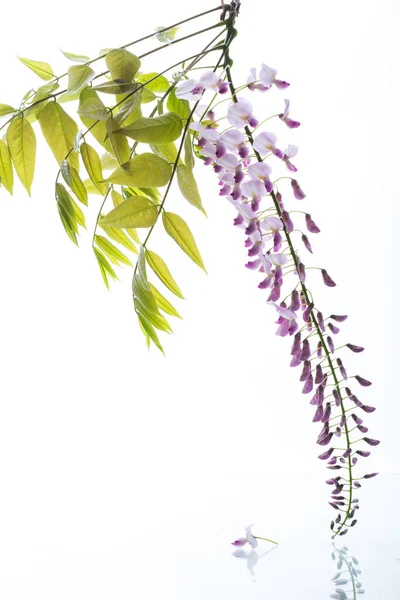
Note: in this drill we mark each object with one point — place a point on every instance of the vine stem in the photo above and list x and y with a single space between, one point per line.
303 288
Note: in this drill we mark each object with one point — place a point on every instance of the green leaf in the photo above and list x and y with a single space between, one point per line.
93 108
141 291
91 188
105 267
130 109
167 151
6 170
188 186
157 320
163 303
42 69
168 35
21 141
119 236
122 64
42 96
189 158
79 58
80 217
108 162
117 86
92 164
155 130
115 255
78 77
136 211
63 98
67 223
59 131
148 329
147 96
143 170
119 142
65 201
178 106
178 229
98 130
160 84
161 270
6 109
117 199
78 187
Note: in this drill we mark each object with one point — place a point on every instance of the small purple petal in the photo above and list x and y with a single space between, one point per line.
330 344
297 191
295 303
370 475
326 454
306 242
302 272
320 319
306 371
363 381
307 312
336 397
308 386
287 221
354 348
333 328
310 224
339 318
327 413
305 352
327 279
367 409
371 441
326 440
318 415
319 350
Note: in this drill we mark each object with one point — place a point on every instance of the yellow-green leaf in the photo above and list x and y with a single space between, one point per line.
91 160
6 109
148 329
93 108
6 170
188 186
159 83
78 187
157 320
21 141
40 99
67 223
119 236
118 86
163 303
115 255
143 170
122 64
78 77
167 151
136 211
98 130
42 69
119 142
79 58
178 229
147 96
161 270
104 266
189 158
178 106
108 162
59 130
155 130
166 36
129 110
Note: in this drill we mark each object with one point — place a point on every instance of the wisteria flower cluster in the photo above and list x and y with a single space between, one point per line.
244 159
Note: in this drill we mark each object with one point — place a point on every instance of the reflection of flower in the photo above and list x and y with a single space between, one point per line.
252 558
249 539
347 575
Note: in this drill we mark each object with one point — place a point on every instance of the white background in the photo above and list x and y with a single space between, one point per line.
123 471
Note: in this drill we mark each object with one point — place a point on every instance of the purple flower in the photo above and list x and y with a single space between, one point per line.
310 224
266 142
354 348
297 191
248 539
333 328
371 441
370 475
327 279
240 114
306 242
326 455
302 272
286 119
268 77
338 318
287 221
362 381
287 155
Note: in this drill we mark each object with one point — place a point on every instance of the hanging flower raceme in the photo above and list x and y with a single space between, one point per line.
243 164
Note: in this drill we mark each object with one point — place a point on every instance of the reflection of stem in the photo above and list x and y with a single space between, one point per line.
343 557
